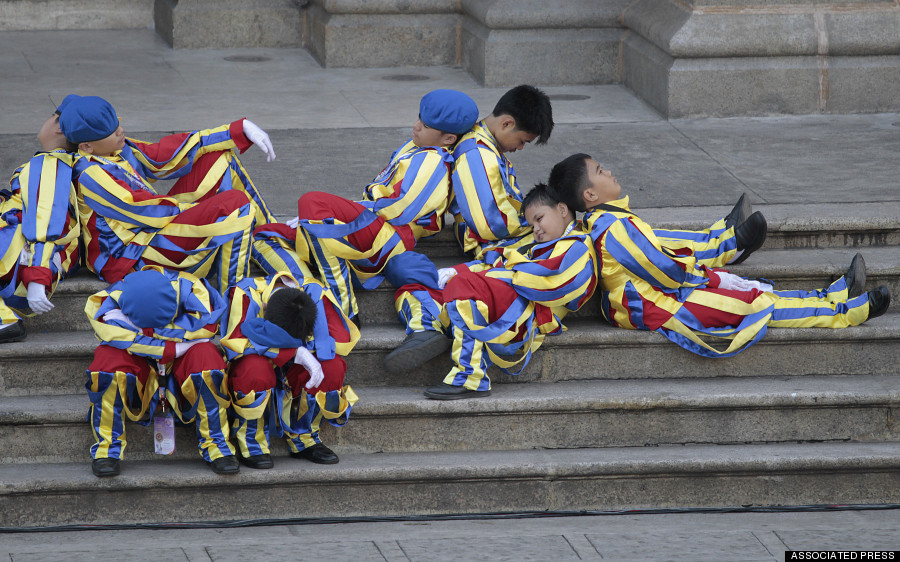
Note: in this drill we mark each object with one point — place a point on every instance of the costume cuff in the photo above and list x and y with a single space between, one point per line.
236 130
37 274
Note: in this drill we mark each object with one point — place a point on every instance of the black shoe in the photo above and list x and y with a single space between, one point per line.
358 321
318 453
446 391
739 213
260 462
879 301
750 235
856 276
225 465
417 348
105 467
16 332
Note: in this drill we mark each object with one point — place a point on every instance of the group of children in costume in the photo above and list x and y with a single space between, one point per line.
178 266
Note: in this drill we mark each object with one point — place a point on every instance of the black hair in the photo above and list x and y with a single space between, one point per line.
293 311
569 179
530 108
540 194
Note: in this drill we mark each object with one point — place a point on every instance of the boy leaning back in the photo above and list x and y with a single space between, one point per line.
647 286
366 240
202 225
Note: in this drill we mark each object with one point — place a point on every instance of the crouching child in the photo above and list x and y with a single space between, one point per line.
155 320
286 346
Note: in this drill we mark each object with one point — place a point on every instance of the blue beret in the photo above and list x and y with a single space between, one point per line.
450 111
87 118
148 299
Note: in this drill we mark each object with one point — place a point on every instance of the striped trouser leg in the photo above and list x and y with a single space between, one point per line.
307 412
337 274
206 398
113 394
712 247
252 425
274 255
826 308
471 362
107 422
418 310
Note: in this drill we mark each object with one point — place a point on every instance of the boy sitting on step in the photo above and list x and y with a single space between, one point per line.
355 241
497 310
202 225
647 284
38 231
150 319
286 345
486 202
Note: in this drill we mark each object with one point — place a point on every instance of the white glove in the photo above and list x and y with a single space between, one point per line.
259 137
37 298
117 314
312 366
445 274
182 346
293 222
735 283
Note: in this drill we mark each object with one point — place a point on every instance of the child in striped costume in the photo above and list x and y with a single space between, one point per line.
149 320
681 292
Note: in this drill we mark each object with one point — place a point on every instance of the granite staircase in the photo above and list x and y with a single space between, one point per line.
603 419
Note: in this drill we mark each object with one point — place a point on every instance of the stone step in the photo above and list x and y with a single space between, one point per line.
54 363
809 268
615 413
457 482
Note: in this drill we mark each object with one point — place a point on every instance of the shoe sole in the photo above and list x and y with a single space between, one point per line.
750 249
857 285
402 361
744 210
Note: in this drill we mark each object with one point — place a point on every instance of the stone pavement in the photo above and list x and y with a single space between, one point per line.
672 536
333 129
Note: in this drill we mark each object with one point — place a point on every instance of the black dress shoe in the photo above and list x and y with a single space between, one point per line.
856 276
446 391
260 462
16 332
739 213
225 465
417 348
879 301
318 453
750 235
105 467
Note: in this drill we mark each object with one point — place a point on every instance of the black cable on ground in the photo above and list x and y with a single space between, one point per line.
446 517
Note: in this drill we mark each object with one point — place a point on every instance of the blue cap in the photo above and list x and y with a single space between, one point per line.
148 299
450 111
87 118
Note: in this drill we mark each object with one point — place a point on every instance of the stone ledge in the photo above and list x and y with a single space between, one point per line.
465 482
540 14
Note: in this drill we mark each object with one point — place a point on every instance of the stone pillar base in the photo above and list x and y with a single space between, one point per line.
354 34
197 24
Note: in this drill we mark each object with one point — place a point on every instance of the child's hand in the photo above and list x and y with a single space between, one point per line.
37 299
312 366
445 274
259 137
